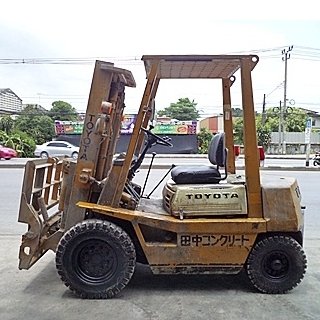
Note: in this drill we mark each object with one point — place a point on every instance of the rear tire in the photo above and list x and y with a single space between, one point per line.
315 163
276 264
95 259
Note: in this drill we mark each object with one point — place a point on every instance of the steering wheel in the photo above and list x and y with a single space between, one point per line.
159 140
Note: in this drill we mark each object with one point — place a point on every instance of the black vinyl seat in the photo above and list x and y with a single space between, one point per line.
217 154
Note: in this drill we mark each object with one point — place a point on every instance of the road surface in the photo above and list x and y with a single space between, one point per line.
39 293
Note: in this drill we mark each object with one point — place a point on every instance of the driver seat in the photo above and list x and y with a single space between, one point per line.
217 155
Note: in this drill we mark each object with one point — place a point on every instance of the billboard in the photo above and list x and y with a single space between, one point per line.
175 128
68 127
127 125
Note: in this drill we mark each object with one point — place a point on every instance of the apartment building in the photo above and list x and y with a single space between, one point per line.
9 102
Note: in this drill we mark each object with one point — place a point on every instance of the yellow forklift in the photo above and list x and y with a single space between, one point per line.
210 219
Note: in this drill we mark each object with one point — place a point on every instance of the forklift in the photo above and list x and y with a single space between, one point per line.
209 220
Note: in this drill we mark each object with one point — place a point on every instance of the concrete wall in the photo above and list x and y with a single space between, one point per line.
295 142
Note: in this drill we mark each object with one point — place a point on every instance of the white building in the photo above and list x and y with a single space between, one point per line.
9 101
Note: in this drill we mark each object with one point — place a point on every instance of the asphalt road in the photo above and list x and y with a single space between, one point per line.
39 294
272 162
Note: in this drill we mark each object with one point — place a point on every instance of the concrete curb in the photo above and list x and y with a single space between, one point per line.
19 163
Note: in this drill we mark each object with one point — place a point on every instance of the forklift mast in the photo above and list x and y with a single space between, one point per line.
52 188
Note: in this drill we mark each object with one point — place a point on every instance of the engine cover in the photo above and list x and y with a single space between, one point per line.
204 200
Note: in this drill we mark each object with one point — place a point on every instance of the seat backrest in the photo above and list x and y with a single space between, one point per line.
217 150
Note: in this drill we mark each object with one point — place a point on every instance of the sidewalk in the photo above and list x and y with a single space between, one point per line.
16 163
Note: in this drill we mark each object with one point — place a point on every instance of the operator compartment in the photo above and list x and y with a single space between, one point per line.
224 199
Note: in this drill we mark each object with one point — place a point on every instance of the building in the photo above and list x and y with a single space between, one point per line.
315 117
10 103
36 106
214 124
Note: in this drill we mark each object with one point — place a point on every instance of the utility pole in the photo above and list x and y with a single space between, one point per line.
280 146
264 110
285 58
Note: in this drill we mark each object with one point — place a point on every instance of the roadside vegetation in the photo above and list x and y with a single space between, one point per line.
35 125
295 120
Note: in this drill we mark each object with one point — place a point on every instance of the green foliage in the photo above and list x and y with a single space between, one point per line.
63 111
34 109
6 124
238 130
3 138
295 120
204 137
37 125
19 141
183 110
263 132
237 112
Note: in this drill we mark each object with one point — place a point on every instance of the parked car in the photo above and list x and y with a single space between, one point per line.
7 153
56 149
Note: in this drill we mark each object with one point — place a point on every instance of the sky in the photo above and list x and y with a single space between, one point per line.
48 49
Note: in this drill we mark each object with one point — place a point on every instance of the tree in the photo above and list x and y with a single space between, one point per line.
294 118
183 110
237 112
204 137
238 130
34 109
37 125
4 137
6 124
63 111
263 132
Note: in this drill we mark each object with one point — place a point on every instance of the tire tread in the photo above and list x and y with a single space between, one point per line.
108 227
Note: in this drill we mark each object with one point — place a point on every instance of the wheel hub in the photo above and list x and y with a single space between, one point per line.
276 265
96 261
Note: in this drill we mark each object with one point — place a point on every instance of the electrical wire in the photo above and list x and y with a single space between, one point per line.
135 60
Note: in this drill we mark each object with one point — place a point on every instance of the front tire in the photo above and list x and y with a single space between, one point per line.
276 264
315 163
95 259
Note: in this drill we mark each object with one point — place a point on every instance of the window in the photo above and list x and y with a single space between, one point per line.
57 144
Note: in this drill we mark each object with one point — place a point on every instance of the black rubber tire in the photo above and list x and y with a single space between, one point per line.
75 155
276 264
95 259
315 163
44 155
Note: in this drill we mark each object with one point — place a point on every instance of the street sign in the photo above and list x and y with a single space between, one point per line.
307 135
309 123
307 138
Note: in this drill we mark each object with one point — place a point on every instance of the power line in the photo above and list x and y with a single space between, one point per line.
135 60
